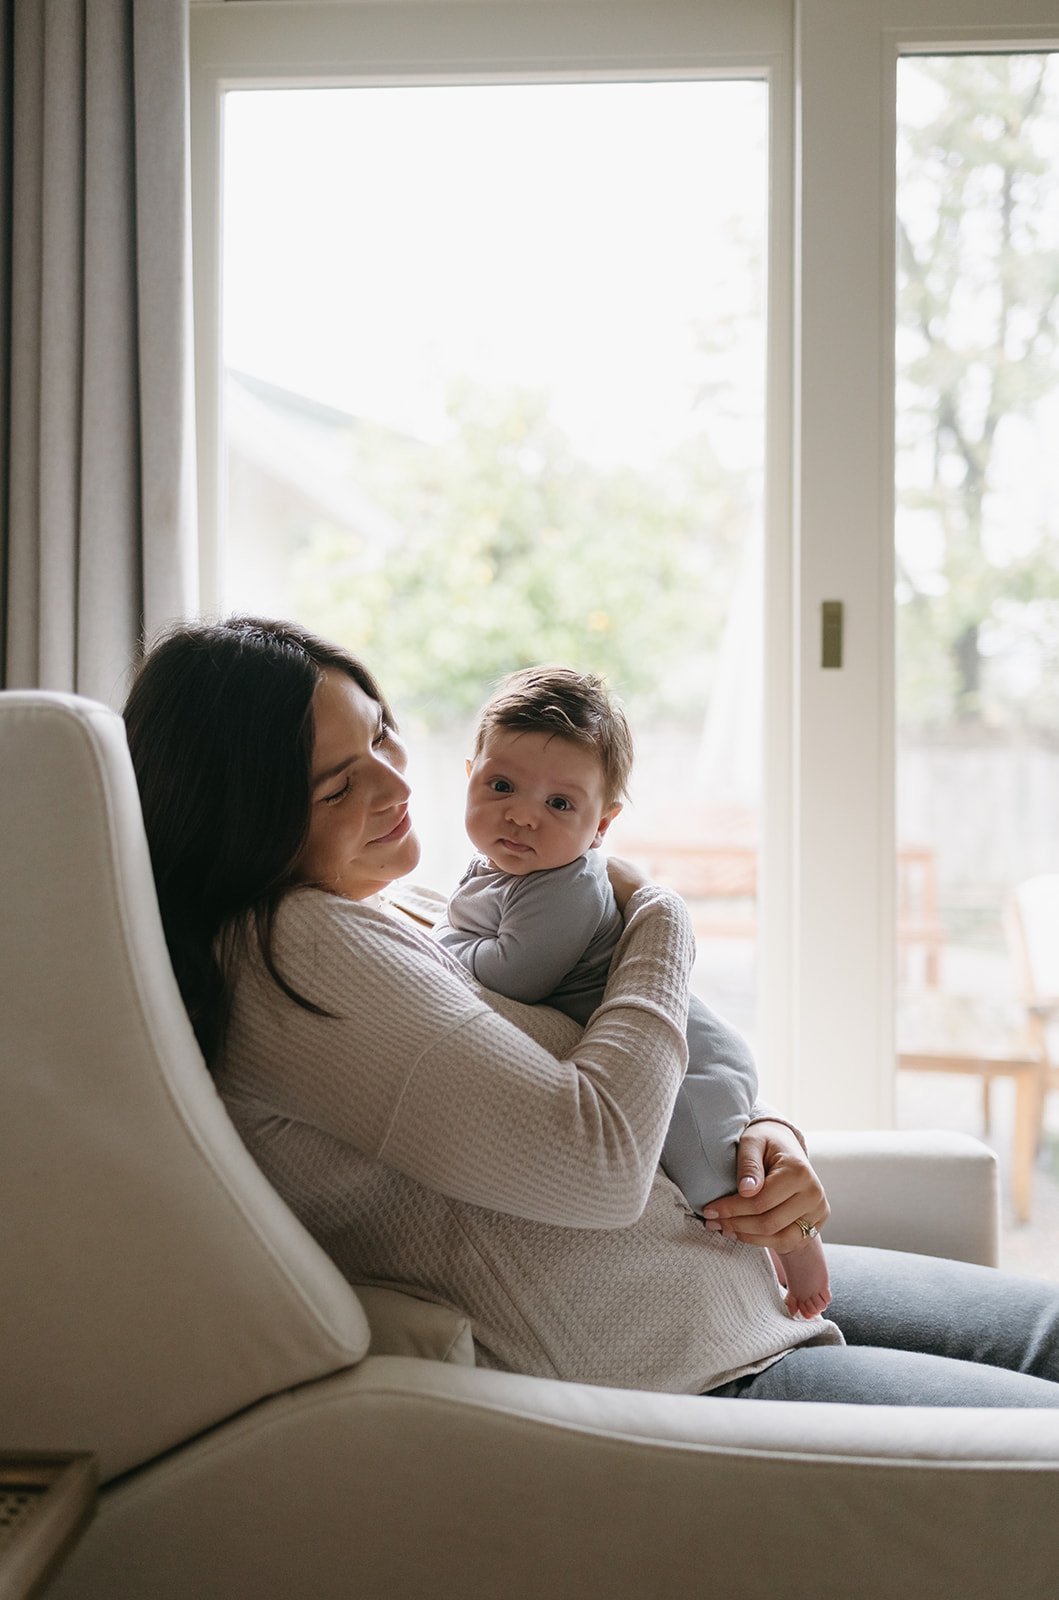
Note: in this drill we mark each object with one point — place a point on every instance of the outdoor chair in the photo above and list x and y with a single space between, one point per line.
1032 925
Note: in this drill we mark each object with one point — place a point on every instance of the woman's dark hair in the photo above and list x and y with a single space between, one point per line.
220 726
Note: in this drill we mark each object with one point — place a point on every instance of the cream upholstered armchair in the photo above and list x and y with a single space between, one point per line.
263 1430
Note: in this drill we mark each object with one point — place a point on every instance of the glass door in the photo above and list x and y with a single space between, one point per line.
494 394
977 587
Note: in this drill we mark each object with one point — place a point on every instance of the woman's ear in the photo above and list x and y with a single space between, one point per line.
604 823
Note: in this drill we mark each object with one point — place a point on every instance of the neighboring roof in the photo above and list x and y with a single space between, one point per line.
309 448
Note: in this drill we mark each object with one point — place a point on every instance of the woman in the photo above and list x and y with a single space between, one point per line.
480 1152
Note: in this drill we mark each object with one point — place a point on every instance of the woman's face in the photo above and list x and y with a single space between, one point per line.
360 832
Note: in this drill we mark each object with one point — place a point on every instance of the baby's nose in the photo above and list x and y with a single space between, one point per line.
522 812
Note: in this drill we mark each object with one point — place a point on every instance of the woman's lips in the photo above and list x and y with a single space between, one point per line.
397 832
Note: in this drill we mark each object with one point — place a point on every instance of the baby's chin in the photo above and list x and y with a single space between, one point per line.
513 862
522 865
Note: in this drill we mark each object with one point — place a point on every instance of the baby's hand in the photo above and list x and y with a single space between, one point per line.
625 879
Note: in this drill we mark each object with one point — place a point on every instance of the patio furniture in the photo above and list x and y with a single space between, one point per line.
1032 926
972 1035
969 1036
718 877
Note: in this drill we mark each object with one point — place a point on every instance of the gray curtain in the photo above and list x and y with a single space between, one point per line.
95 365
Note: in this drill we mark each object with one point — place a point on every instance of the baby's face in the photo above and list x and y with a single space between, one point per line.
535 800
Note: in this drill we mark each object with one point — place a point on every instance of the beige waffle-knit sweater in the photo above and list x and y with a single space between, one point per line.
510 1171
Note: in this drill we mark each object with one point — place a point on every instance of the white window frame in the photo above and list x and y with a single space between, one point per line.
843 515
826 949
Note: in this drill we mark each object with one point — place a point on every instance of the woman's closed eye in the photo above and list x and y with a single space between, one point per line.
385 734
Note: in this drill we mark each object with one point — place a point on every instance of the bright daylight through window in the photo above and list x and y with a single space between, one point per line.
494 394
978 573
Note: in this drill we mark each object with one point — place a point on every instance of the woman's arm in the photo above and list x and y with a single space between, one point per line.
416 1070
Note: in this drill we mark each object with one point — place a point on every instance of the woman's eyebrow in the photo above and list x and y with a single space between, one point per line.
332 772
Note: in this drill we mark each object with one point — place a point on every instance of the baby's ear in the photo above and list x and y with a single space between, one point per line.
467 766
604 823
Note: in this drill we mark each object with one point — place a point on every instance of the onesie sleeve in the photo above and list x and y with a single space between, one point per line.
545 922
415 1069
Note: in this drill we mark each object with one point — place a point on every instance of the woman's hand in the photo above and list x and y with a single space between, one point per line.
776 1187
625 879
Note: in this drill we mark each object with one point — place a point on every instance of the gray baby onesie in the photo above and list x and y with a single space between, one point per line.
549 937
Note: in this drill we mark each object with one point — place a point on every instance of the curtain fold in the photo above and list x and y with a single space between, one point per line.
98 502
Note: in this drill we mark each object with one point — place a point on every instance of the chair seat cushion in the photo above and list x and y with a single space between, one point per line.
402 1325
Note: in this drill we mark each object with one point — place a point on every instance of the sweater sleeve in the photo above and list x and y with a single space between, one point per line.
415 1069
545 922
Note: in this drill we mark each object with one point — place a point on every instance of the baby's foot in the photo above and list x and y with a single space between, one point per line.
803 1273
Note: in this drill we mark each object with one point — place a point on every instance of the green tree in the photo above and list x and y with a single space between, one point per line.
508 549
978 333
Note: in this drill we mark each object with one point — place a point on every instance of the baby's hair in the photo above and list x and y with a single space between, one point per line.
578 706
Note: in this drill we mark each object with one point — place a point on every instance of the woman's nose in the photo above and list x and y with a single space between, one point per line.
393 787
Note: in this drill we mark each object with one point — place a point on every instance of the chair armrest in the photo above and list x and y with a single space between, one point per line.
405 1478
933 1193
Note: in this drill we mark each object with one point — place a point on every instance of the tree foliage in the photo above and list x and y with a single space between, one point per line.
506 548
978 354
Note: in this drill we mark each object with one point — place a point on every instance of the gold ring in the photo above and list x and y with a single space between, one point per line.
809 1231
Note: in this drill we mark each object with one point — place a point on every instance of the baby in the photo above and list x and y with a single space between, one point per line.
534 916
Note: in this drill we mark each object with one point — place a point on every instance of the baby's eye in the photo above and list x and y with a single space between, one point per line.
501 786
339 794
559 802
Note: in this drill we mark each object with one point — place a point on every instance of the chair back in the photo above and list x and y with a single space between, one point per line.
1036 909
152 1282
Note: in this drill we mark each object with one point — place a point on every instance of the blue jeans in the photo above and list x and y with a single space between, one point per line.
921 1331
